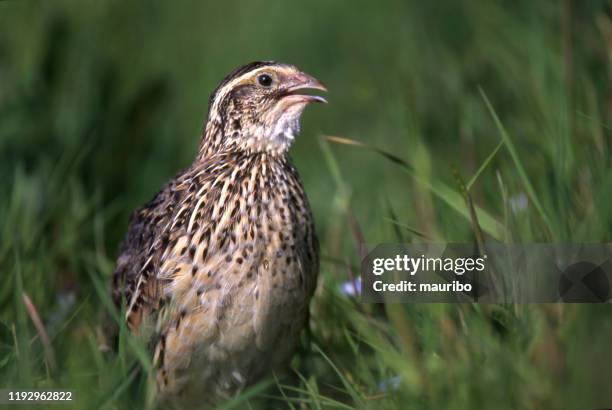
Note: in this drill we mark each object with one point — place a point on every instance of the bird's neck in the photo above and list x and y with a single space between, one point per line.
218 138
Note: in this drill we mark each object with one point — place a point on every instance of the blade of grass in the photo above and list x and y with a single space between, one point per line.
494 282
505 202
484 165
21 330
40 329
518 164
393 218
326 401
347 385
138 348
119 390
439 189
312 392
357 234
409 228
239 401
282 391
334 168
478 235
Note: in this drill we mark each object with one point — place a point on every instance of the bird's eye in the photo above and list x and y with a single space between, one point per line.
264 80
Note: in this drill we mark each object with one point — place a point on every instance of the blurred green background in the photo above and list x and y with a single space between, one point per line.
101 102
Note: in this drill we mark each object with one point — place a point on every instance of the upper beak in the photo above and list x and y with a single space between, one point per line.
303 81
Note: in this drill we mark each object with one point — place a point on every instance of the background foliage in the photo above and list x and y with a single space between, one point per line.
102 102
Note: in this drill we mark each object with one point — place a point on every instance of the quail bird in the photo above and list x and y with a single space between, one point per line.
218 269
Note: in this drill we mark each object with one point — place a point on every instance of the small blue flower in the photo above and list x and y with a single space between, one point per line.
351 288
390 384
519 203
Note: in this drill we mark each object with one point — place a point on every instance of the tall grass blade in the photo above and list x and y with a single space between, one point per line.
484 165
518 164
439 189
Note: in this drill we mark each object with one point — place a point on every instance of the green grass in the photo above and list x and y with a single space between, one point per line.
444 116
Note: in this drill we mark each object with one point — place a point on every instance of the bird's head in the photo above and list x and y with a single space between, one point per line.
257 108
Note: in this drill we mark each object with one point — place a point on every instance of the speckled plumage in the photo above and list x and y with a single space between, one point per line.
219 268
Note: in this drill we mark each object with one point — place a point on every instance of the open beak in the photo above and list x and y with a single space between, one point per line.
303 81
